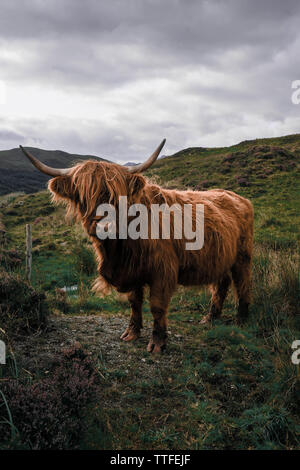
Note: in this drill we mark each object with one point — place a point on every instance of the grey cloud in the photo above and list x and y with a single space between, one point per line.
230 64
7 134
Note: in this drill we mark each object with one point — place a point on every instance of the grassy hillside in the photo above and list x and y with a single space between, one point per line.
216 387
17 174
267 171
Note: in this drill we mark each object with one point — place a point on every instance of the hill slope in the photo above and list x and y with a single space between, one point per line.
263 170
17 174
243 165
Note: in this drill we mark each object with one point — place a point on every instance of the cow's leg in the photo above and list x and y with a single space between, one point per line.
160 296
241 275
219 292
136 321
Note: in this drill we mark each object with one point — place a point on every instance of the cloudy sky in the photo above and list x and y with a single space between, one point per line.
114 77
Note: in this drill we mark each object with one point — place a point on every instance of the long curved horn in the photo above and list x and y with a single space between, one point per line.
44 168
147 163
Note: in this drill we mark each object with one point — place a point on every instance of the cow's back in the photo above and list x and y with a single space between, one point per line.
228 224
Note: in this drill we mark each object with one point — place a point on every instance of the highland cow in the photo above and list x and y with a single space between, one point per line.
130 265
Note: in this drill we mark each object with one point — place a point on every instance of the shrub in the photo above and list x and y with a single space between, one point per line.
50 413
10 259
22 308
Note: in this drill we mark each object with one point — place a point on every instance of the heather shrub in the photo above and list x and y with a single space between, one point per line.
23 309
49 413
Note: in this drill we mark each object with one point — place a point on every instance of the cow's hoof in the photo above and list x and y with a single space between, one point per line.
130 334
156 346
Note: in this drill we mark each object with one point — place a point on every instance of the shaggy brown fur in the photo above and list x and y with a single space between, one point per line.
129 265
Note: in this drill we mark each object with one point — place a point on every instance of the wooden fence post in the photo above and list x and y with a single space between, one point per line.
28 251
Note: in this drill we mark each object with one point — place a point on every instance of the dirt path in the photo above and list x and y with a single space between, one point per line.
99 335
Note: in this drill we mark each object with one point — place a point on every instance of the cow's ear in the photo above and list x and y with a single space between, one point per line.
60 187
136 184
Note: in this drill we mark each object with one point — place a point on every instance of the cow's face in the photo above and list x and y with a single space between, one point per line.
91 183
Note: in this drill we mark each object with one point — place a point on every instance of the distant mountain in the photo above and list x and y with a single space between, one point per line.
17 173
130 164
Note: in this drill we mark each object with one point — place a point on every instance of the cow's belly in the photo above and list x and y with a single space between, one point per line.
122 282
204 270
193 277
